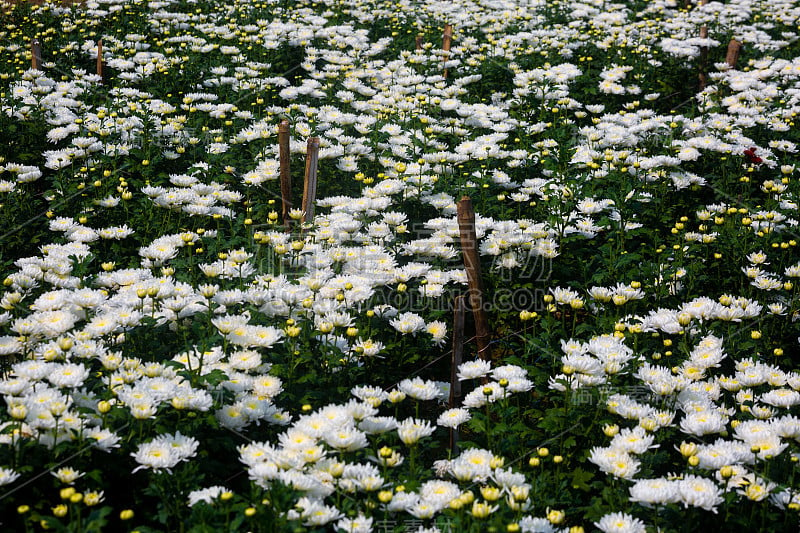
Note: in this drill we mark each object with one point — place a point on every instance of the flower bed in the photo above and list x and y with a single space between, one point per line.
177 356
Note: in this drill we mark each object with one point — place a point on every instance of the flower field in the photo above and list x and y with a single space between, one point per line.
186 346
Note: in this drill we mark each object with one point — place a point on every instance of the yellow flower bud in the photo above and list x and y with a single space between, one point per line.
480 509
688 449
556 517
490 494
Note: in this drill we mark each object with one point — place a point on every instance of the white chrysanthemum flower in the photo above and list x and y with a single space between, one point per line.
8 476
411 430
232 417
614 461
700 492
9 345
376 425
156 455
620 523
782 397
206 495
267 386
359 524
635 440
346 438
255 336
420 389
438 330
474 369
68 375
452 418
703 422
474 464
509 372
408 322
658 491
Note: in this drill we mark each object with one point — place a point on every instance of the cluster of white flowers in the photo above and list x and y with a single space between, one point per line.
165 451
405 126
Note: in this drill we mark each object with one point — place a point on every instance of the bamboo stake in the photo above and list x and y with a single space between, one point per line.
285 171
447 37
458 353
310 182
36 55
459 306
469 249
734 47
100 60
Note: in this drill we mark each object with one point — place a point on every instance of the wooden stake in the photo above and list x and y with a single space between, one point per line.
734 47
419 42
702 77
310 182
286 175
36 55
100 60
469 249
459 306
458 354
447 37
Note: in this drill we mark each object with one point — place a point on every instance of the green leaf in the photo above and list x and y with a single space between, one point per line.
97 519
580 479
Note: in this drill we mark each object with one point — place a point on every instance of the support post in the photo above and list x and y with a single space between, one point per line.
100 61
732 57
310 181
458 356
36 55
447 38
469 250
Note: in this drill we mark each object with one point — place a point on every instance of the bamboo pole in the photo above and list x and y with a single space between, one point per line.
36 55
310 181
458 355
459 306
731 58
100 60
469 250
285 171
447 38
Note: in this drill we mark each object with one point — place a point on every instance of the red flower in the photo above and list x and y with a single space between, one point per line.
751 156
